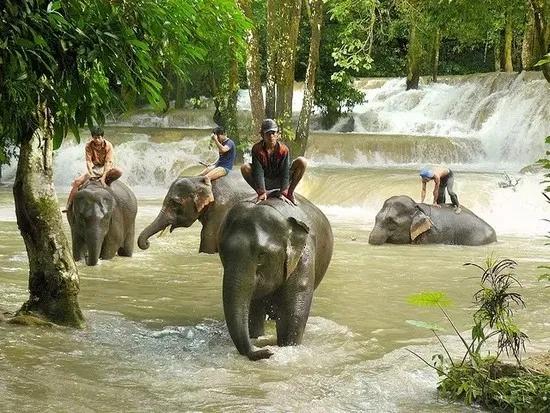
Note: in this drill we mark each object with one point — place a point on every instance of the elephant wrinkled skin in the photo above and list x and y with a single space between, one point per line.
195 198
274 255
102 221
403 221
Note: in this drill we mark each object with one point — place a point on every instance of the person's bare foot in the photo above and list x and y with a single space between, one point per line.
458 210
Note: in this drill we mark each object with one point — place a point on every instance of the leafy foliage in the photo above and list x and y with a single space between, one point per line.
73 56
473 379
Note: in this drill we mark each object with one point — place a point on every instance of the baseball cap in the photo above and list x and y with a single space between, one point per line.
269 125
426 173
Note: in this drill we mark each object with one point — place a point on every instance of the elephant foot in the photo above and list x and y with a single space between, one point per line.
261 354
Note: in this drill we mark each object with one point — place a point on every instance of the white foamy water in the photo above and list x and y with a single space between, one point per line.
508 113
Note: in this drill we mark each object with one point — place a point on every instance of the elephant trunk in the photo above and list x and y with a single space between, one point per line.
160 222
377 236
93 245
238 288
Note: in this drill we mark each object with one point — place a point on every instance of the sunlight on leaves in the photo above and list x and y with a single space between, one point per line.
429 299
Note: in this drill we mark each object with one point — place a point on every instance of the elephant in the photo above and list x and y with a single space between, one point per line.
403 221
102 221
274 255
194 198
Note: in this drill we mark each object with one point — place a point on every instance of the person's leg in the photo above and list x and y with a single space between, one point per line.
452 193
297 170
216 173
441 193
246 171
74 189
206 170
112 175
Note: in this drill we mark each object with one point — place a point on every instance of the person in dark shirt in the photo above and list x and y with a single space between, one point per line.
271 169
226 150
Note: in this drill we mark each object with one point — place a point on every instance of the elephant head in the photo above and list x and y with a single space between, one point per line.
400 221
90 219
259 249
184 203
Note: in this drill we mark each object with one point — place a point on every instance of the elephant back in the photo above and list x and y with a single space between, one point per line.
466 228
231 188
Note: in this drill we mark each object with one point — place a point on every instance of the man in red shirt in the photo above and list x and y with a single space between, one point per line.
99 163
271 168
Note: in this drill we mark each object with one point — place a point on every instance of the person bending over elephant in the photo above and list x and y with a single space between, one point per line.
271 168
443 180
226 150
99 164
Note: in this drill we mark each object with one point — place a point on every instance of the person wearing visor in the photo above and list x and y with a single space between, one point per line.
271 171
226 151
443 180
99 164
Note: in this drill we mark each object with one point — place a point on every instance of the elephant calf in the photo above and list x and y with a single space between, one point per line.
403 221
274 255
102 221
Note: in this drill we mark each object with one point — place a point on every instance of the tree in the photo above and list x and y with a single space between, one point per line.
315 13
62 64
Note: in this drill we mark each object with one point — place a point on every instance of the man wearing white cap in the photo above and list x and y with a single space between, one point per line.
443 180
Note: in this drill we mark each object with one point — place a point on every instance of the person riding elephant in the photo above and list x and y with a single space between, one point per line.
193 198
99 164
274 255
403 221
102 221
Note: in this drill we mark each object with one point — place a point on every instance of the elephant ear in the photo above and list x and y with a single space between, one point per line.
420 224
297 239
203 196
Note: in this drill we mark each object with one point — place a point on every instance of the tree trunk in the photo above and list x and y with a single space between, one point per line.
253 69
53 277
273 29
497 55
180 94
528 42
414 57
508 67
541 11
316 21
435 54
228 101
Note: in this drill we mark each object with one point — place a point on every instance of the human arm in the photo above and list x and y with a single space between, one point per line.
258 175
89 162
221 148
108 162
285 173
423 192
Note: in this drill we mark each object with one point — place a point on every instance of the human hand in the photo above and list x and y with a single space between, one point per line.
102 180
261 197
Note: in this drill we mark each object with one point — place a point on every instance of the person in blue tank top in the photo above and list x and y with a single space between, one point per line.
226 150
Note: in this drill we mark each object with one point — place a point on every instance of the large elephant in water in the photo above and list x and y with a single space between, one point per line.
274 255
194 198
403 221
102 221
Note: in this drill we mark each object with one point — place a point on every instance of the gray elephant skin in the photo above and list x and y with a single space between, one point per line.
403 221
195 198
102 221
274 255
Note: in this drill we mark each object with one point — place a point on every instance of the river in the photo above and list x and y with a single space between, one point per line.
156 340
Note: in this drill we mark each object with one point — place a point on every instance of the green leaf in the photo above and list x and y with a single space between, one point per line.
429 299
423 324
